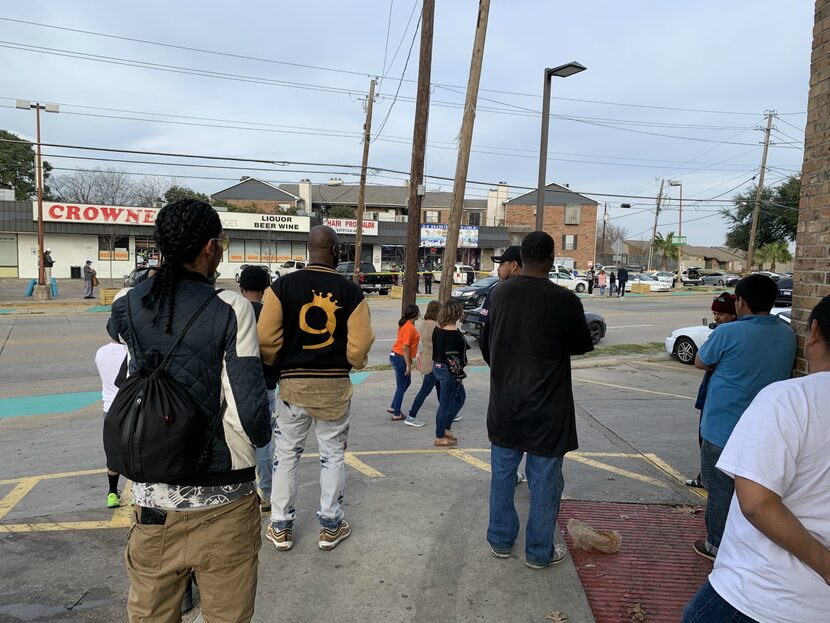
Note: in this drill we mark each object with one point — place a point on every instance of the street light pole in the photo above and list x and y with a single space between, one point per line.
43 290
679 232
563 71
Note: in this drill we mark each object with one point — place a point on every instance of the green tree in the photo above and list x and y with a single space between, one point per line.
665 246
774 253
176 193
17 167
777 219
341 212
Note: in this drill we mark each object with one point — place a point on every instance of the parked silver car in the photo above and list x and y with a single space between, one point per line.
720 279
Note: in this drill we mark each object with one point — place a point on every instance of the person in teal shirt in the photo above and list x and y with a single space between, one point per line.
744 356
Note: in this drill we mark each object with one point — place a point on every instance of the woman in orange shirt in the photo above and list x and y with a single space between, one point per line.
405 348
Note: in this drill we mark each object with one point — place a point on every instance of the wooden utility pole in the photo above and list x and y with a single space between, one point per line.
463 162
750 254
361 193
602 245
419 146
654 229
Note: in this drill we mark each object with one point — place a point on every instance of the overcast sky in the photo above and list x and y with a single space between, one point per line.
645 60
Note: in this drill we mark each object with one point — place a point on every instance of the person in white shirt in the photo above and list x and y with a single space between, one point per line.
773 565
109 359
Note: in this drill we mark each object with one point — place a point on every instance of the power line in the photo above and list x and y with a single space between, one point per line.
790 124
388 28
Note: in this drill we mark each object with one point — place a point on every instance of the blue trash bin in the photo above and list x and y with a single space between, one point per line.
54 287
30 289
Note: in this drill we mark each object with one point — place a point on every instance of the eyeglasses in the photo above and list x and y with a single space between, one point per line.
225 240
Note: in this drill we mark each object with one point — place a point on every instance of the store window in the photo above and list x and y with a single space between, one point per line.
572 214
283 251
569 242
253 251
391 257
113 247
8 255
236 251
298 250
432 216
474 218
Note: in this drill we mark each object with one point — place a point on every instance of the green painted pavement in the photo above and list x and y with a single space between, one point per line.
46 404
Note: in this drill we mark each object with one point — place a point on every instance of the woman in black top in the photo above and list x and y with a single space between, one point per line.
449 356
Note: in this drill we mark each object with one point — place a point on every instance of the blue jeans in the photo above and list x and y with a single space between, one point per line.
265 455
709 607
544 477
426 389
453 396
719 488
402 381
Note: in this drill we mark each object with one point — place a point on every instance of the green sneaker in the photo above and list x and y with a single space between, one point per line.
113 500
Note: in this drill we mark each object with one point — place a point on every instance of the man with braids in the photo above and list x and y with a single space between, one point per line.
314 327
207 523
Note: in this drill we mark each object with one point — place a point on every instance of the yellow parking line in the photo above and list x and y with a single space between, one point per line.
15 495
55 527
469 458
85 472
366 470
634 389
617 470
673 473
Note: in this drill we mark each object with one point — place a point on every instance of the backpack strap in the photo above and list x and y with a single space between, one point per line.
187 328
137 352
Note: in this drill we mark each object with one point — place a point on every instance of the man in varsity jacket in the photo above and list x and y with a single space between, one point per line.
314 327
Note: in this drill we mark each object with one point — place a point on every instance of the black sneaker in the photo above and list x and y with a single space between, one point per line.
702 549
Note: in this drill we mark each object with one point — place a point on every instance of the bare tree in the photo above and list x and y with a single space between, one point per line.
103 186
613 233
149 190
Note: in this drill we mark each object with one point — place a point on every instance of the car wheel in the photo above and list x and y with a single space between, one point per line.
596 332
480 300
580 287
383 292
721 283
685 349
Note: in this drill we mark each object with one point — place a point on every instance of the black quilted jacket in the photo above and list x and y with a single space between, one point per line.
217 360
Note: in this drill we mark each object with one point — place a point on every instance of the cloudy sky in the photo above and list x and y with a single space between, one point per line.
673 90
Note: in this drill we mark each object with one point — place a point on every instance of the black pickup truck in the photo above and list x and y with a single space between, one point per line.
370 279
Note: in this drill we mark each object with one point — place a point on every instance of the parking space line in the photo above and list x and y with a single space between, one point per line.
84 472
469 458
366 470
634 389
15 495
674 473
662 365
618 470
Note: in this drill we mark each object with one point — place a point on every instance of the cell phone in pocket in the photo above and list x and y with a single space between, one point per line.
152 517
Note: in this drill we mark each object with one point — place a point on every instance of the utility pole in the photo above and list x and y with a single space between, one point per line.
463 162
419 146
750 254
654 229
602 246
361 193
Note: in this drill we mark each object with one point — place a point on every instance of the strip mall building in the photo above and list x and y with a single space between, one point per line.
120 238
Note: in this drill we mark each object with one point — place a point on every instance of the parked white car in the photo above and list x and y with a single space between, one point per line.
291 266
567 280
459 275
686 342
654 284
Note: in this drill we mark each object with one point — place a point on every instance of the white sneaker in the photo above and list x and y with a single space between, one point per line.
411 421
560 553
458 418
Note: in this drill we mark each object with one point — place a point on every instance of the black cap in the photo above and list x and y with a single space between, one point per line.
254 278
511 254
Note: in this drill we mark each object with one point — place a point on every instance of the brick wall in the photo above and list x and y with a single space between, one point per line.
554 224
812 254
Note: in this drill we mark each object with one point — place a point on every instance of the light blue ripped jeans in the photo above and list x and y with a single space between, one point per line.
291 433
265 455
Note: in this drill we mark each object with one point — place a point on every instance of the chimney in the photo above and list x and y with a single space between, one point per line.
305 195
496 198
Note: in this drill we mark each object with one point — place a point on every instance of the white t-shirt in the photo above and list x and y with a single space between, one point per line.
781 442
108 359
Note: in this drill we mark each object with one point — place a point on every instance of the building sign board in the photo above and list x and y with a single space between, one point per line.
436 236
349 226
125 215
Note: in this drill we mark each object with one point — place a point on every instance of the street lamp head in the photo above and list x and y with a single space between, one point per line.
675 183
625 205
563 71
51 108
24 104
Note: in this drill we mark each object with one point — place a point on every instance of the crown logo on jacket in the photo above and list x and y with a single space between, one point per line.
329 306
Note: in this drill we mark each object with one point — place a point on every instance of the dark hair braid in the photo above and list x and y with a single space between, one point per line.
183 228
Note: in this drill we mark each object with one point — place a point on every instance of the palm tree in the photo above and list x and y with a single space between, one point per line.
773 252
666 247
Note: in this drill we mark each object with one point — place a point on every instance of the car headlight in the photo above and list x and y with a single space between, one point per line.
456 293
468 293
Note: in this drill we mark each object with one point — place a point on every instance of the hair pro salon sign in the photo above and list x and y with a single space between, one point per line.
125 215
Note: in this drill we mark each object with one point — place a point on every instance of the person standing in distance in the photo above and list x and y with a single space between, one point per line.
48 263
196 524
89 280
424 364
535 328
315 327
773 564
745 356
622 280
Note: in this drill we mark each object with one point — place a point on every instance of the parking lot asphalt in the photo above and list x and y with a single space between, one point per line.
418 551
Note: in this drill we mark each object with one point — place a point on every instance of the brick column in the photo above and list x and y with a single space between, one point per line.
812 254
